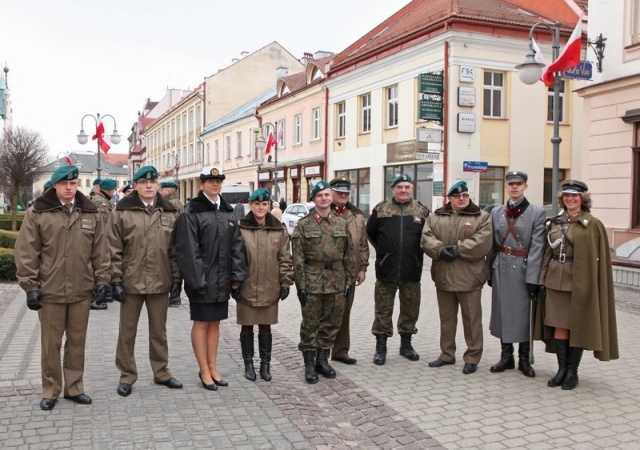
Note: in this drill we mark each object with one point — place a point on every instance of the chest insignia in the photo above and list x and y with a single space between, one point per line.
467 225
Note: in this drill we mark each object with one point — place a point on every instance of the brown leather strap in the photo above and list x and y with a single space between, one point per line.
514 251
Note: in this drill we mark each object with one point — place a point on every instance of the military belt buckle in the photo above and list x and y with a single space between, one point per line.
562 257
507 251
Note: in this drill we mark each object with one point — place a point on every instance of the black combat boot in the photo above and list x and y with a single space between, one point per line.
506 359
310 373
524 348
406 349
322 365
246 343
571 379
380 356
562 348
264 346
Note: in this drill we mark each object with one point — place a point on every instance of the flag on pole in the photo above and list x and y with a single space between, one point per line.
69 160
270 143
569 57
102 139
539 57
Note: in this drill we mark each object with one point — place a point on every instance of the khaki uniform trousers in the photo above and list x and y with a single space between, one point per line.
157 307
342 342
321 319
56 320
471 308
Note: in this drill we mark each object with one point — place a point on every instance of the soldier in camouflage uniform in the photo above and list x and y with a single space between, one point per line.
324 273
103 200
394 229
169 190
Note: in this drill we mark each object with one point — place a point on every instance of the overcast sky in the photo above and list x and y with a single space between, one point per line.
69 58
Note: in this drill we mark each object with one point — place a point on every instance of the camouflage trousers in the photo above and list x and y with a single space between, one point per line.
321 319
385 294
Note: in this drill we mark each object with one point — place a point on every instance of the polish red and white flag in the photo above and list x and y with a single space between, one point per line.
69 160
103 139
569 57
270 143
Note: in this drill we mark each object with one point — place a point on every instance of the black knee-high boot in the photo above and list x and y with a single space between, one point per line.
571 379
246 342
562 348
264 346
524 348
506 359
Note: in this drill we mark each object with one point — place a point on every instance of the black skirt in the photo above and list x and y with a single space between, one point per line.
209 312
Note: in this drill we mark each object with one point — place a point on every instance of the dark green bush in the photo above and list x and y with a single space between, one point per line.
8 239
7 264
5 222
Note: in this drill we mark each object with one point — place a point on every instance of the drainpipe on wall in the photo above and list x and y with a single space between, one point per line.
326 132
445 123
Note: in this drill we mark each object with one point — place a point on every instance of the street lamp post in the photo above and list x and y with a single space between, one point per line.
83 138
530 73
261 144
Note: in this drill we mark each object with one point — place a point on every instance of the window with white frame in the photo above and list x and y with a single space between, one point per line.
365 119
341 114
192 155
561 102
191 121
208 155
216 149
198 120
315 123
281 134
297 129
493 94
392 106
227 147
238 144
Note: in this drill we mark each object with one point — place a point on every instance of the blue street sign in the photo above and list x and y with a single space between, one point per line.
582 71
475 166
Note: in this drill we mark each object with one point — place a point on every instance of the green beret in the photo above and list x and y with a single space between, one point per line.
168 184
147 172
96 181
108 183
48 185
64 173
260 195
319 186
126 187
399 178
457 188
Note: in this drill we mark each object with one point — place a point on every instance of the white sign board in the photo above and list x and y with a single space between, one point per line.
466 96
429 135
466 123
467 74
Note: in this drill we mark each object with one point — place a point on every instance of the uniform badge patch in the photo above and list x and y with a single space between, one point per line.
275 242
467 225
165 221
232 223
87 224
417 219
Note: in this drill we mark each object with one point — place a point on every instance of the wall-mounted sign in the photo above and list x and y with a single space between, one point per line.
428 156
311 171
582 71
405 151
280 174
293 173
467 74
264 176
466 123
431 83
475 166
466 96
431 109
429 135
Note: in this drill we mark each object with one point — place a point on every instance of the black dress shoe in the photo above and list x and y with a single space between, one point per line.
82 399
47 404
469 368
209 387
346 360
439 363
171 383
124 389
98 307
220 382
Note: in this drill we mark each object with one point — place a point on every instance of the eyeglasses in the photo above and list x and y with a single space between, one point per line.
457 196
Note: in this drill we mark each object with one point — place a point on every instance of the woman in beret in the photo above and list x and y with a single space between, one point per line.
269 275
579 311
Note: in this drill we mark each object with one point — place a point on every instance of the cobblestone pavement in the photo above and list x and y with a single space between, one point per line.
402 404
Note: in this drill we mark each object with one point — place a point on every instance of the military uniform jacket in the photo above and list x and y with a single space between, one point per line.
322 260
210 250
394 230
174 199
269 261
104 203
357 229
470 231
142 252
62 255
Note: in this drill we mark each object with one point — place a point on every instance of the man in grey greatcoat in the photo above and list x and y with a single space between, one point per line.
513 268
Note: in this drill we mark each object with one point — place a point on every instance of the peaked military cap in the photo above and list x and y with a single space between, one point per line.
319 186
212 173
516 177
340 184
64 173
48 185
168 184
96 181
573 187
147 172
108 183
457 188
260 195
400 178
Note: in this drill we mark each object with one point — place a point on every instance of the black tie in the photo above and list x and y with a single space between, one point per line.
215 206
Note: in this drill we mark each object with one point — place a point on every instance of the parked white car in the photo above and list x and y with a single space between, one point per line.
293 213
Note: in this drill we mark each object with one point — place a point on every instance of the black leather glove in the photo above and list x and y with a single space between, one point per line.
176 288
347 291
100 296
117 292
235 293
533 289
302 296
542 292
284 292
33 300
490 283
447 253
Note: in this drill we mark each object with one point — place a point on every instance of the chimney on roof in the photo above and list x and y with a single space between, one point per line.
306 58
322 54
282 72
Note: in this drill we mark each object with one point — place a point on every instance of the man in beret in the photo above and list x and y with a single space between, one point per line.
61 255
457 237
342 207
143 271
513 269
103 199
96 187
393 229
324 273
126 189
169 191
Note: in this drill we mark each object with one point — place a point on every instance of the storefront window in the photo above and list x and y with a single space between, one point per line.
360 188
491 188
422 175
